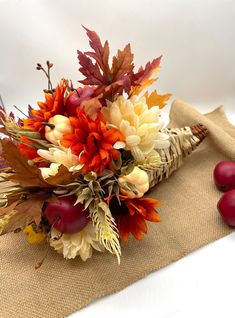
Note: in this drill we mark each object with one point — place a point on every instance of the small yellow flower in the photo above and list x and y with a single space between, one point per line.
34 237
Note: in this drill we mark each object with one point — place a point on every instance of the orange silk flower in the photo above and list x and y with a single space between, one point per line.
53 105
93 142
132 214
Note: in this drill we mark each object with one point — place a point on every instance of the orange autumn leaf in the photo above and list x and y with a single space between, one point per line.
122 63
96 70
142 78
155 99
118 78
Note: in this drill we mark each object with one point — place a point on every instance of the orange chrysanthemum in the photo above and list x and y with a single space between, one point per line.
53 105
132 214
93 142
26 148
28 151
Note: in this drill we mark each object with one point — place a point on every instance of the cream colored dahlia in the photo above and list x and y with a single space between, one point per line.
72 245
58 156
139 125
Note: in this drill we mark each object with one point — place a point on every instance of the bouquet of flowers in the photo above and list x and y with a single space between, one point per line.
75 170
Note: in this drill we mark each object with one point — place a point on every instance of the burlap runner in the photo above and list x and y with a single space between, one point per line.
189 221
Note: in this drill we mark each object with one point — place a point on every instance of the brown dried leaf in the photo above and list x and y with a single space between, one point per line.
63 176
9 208
17 221
25 175
24 212
122 63
32 208
3 163
10 192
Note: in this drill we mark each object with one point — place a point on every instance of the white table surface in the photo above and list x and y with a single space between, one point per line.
196 39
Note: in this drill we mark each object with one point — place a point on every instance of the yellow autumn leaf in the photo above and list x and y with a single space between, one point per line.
136 90
155 99
34 237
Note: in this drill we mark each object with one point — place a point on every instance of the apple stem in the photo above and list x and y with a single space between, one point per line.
57 237
52 226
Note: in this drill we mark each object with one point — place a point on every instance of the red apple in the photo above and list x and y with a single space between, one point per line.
224 175
75 99
226 207
65 216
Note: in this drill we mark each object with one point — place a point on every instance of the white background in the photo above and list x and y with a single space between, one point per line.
197 40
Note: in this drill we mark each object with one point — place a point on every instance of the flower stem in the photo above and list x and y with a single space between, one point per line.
20 111
1 101
47 73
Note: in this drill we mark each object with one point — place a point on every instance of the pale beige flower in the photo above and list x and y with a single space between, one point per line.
139 125
59 156
72 245
47 172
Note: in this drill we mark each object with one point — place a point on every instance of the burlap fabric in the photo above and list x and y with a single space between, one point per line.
189 221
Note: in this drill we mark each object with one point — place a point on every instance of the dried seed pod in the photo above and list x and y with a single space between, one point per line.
182 142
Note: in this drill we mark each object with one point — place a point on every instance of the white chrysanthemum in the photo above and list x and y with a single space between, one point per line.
81 243
62 156
58 156
139 125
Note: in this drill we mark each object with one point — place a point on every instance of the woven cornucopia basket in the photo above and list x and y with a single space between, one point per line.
182 143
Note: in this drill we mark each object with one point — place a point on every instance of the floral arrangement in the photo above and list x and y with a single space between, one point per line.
75 170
